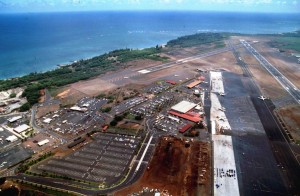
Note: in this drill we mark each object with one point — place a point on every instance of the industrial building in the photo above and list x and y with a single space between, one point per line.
21 128
14 119
183 106
183 110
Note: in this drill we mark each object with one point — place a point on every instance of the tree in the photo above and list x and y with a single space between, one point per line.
12 95
113 123
25 107
139 117
118 118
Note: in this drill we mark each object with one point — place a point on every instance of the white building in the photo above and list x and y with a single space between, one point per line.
43 142
183 106
47 120
11 138
15 118
21 128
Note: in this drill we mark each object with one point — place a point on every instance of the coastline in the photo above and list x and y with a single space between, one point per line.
46 45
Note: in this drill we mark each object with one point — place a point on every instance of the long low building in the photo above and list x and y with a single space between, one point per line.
193 84
43 142
15 118
188 116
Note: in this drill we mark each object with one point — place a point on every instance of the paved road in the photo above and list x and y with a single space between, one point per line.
283 81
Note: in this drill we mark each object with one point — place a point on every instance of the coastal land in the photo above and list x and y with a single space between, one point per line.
115 123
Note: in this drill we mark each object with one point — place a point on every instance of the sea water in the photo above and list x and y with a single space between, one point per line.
35 42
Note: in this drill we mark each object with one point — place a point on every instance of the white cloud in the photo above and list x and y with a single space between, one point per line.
237 1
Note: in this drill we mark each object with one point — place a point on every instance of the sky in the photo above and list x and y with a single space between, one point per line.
276 6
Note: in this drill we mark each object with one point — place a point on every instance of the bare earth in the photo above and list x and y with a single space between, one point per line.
291 118
177 169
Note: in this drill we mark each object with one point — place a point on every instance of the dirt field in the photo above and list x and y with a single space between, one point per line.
269 86
291 118
178 168
225 61
290 69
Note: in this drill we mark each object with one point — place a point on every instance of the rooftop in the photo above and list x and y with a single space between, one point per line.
21 128
183 106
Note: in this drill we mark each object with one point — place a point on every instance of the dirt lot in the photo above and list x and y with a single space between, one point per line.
269 86
225 61
291 118
290 69
178 168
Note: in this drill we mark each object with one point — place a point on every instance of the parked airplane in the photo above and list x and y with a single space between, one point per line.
262 97
222 94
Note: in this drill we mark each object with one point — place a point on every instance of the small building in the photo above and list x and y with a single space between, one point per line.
171 82
193 84
78 109
14 119
21 128
43 142
185 128
11 138
183 106
47 120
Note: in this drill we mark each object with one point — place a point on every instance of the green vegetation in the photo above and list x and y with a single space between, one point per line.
25 166
85 69
287 41
81 70
24 107
198 39
13 95
123 131
138 117
106 110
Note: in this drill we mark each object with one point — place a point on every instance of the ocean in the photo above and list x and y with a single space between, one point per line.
37 42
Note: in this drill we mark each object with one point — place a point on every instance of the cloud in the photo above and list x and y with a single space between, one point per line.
247 2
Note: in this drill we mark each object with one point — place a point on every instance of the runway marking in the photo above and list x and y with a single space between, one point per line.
263 61
144 71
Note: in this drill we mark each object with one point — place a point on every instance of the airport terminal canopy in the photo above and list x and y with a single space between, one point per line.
183 106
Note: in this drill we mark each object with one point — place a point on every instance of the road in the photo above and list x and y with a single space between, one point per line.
282 80
133 174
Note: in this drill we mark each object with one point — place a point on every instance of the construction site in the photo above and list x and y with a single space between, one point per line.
178 167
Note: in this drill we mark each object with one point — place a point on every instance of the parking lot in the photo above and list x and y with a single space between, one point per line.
3 135
151 106
126 105
80 118
157 88
105 160
13 156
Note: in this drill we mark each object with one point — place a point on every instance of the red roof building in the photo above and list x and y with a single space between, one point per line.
185 128
171 82
194 117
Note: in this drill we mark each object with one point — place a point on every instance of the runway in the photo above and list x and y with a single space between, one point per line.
282 80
